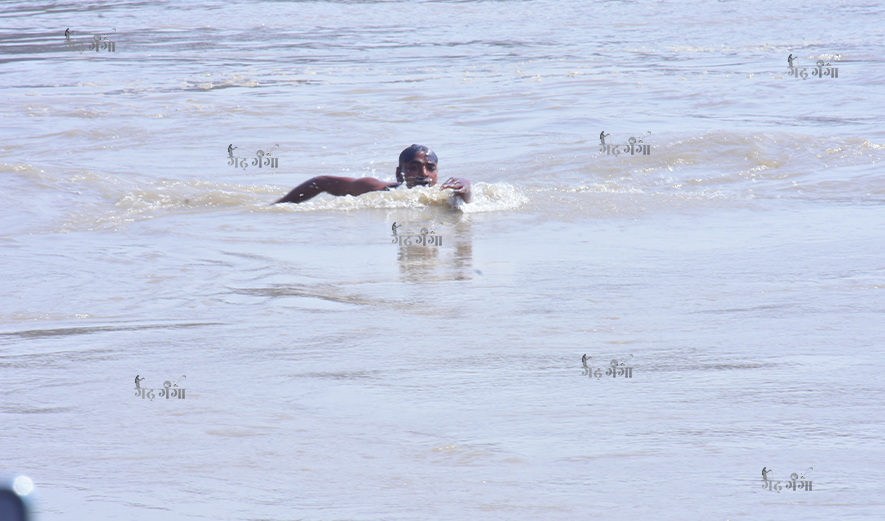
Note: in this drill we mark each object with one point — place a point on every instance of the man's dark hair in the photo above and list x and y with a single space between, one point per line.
409 154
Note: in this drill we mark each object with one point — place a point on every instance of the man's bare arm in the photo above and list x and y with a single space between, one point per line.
334 185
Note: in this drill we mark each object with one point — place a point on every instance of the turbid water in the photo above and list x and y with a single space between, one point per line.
330 373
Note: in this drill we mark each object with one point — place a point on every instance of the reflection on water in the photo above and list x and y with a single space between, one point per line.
422 261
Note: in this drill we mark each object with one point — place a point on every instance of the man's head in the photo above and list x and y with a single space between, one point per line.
417 166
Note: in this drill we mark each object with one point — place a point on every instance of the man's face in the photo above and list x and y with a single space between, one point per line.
419 171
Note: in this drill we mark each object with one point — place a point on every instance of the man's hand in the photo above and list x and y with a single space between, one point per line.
460 185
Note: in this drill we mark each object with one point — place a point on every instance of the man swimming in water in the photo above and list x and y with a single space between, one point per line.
417 167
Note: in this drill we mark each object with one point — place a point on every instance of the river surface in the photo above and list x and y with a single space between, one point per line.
332 371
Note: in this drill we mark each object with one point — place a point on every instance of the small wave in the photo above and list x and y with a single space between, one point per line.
487 197
164 198
493 197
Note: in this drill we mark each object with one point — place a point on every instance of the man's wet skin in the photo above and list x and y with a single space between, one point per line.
420 170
